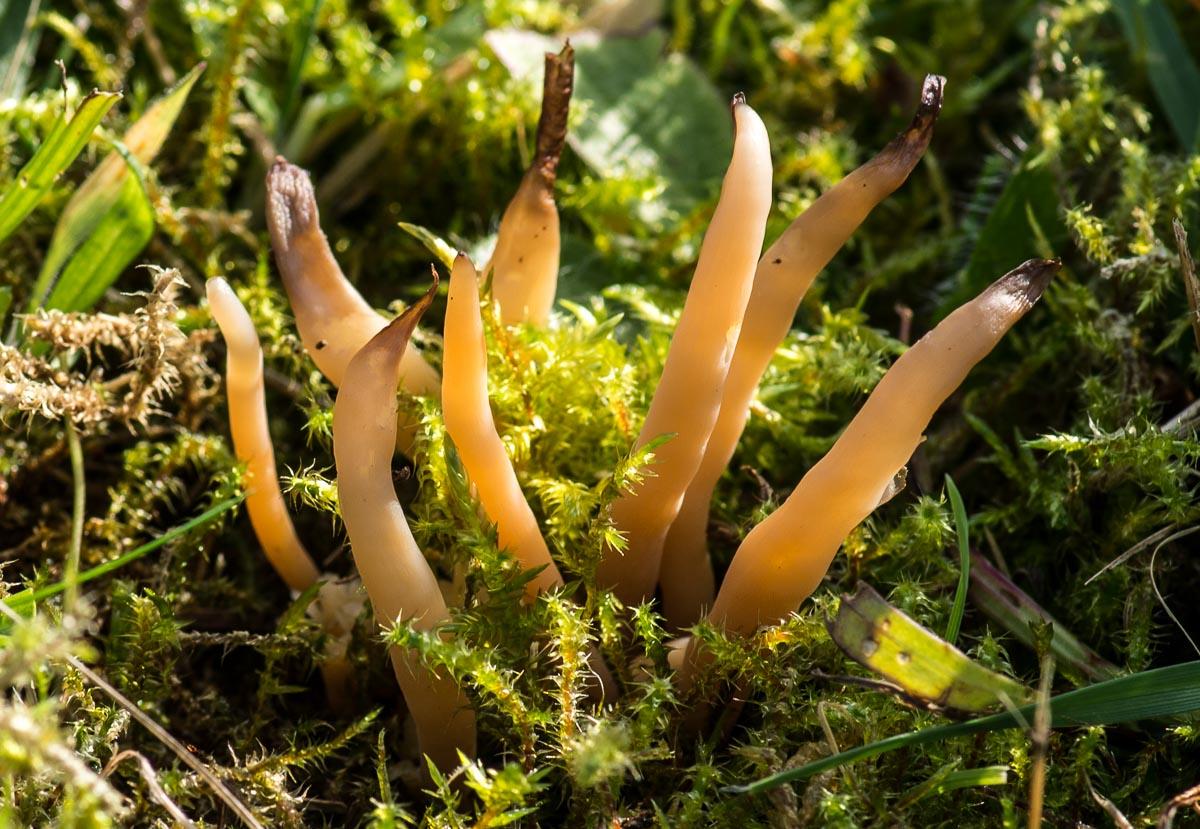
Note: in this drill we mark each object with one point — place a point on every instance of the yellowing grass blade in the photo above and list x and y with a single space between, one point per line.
66 140
94 204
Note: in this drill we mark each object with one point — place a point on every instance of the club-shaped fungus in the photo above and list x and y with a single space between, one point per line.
468 416
783 559
688 397
338 603
738 309
784 275
399 581
333 319
524 266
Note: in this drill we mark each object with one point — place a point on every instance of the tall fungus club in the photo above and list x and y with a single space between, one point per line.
738 310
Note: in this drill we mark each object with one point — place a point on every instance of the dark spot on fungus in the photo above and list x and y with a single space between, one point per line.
777 262
321 344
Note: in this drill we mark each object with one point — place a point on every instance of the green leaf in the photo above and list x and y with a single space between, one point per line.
962 528
17 42
637 113
124 229
1009 606
108 191
1024 215
888 642
1164 692
66 140
435 244
27 598
1155 39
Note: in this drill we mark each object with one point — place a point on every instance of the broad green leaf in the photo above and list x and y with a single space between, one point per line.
1156 40
636 112
66 140
1164 692
1023 220
1009 606
125 228
881 638
106 191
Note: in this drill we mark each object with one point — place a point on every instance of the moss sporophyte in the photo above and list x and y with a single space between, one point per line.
738 311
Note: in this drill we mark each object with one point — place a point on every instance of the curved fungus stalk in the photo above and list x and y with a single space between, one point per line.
399 581
252 441
524 266
785 273
333 319
783 559
469 422
337 604
688 397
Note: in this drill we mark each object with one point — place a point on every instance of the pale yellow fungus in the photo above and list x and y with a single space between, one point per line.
783 559
398 579
469 423
252 441
688 397
333 319
338 603
784 275
524 266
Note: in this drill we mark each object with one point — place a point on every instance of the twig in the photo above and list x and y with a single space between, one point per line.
157 794
1166 818
1108 806
1188 267
223 792
1039 738
1149 540
1154 584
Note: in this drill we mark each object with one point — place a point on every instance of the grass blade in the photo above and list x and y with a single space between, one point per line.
1154 37
1163 692
107 191
964 561
66 140
26 598
16 45
882 639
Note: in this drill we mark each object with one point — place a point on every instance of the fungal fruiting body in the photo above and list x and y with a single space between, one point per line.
333 319
338 603
524 266
252 441
783 559
688 397
469 422
399 581
784 275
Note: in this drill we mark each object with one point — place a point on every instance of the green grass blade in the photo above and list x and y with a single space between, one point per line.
435 244
66 140
1164 692
107 191
17 43
27 598
126 227
1154 38
301 45
964 561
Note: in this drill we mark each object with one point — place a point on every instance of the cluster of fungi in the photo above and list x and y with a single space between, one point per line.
739 307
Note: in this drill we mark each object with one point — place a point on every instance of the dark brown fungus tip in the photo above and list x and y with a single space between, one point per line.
1028 281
